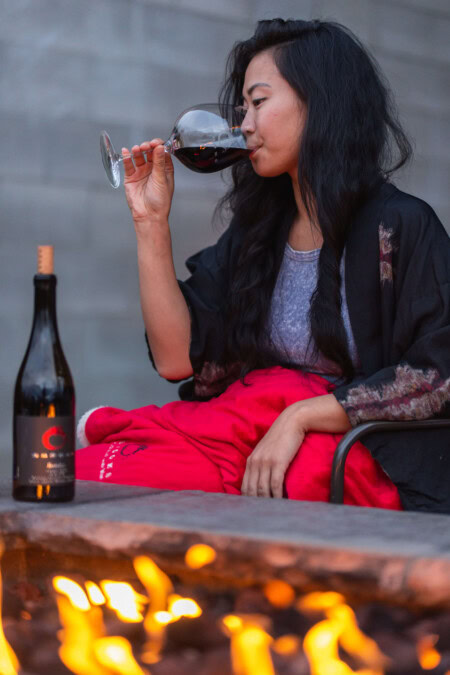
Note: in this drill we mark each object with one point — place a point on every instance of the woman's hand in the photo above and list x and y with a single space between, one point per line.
149 182
269 461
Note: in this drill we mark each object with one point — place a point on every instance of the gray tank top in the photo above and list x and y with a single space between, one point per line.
290 330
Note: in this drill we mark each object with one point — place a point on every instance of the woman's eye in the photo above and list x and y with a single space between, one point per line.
243 110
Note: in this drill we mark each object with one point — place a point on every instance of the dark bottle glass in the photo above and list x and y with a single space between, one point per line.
44 403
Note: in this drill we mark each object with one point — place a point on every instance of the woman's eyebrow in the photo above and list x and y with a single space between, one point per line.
257 84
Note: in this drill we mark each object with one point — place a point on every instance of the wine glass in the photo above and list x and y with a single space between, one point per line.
205 138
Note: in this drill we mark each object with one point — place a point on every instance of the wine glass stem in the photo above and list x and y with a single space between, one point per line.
167 148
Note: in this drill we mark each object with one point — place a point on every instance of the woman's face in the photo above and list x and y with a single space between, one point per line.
275 118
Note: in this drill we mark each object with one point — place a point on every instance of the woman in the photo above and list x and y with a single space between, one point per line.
328 294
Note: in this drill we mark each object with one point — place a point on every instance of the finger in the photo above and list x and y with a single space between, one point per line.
159 160
244 483
147 147
246 479
128 165
168 166
252 482
263 486
138 155
147 150
150 146
276 483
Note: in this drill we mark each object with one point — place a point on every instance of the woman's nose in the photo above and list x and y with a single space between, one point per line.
248 124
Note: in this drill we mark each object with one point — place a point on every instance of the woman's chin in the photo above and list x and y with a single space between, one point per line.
266 169
266 172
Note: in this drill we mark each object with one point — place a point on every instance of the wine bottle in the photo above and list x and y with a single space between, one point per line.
44 403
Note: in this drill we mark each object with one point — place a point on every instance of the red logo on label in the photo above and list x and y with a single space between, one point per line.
54 438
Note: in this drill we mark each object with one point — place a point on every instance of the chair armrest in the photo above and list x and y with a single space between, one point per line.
344 446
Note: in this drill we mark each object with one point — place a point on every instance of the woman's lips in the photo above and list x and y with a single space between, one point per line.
253 151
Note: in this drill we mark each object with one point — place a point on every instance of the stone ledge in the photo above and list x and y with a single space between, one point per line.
372 554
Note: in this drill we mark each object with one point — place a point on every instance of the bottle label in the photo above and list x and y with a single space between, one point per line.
45 450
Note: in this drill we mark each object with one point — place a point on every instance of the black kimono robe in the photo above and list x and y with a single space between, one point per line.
397 280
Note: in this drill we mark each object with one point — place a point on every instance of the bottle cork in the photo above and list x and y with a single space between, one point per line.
45 260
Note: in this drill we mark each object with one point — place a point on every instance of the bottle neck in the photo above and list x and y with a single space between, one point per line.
45 302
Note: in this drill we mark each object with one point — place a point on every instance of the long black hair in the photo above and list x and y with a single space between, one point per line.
352 141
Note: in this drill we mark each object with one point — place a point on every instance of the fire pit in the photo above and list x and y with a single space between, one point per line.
133 580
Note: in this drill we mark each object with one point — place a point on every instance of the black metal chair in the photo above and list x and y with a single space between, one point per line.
343 448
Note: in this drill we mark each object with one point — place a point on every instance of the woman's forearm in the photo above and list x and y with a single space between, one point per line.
322 413
164 309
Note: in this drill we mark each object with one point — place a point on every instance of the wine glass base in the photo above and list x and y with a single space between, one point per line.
110 160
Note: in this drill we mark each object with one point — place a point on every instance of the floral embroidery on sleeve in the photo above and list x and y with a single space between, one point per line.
413 394
385 236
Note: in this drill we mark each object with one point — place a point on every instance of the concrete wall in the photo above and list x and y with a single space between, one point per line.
69 69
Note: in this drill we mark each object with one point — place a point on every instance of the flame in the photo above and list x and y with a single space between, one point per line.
321 643
85 650
158 587
279 593
9 664
123 599
353 640
321 648
232 623
250 653
80 630
164 618
250 644
164 606
428 656
199 555
287 644
320 601
179 607
73 592
156 582
116 654
95 595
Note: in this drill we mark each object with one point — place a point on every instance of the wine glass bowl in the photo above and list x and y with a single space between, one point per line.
205 138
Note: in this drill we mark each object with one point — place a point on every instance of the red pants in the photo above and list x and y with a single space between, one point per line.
204 445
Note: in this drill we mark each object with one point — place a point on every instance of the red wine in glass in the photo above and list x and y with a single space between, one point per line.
210 158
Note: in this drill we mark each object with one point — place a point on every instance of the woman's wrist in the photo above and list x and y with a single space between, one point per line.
154 230
151 222
321 413
302 413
